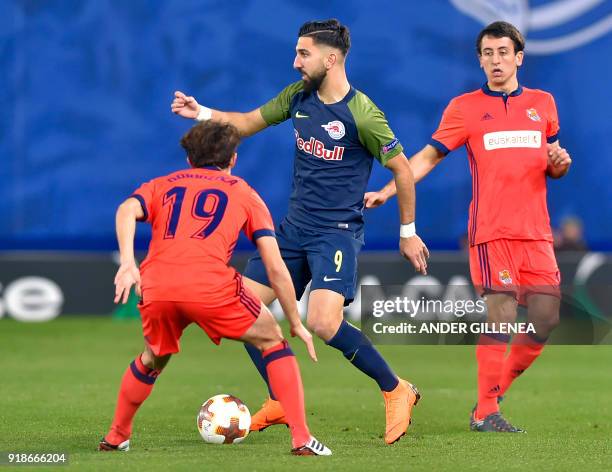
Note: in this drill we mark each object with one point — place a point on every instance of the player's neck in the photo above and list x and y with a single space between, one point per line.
334 88
507 87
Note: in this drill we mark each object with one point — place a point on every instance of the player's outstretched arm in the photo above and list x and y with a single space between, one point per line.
422 163
128 274
411 246
247 123
559 161
280 280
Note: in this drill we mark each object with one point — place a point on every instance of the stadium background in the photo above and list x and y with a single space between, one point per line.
86 90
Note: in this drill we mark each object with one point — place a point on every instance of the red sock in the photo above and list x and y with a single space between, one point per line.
490 357
524 350
286 383
136 385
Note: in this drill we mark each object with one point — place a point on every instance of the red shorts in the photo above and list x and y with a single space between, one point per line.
515 266
163 322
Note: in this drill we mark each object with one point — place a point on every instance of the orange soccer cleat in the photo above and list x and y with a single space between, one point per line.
271 413
398 406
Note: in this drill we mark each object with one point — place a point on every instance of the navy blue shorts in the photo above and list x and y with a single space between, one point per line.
327 257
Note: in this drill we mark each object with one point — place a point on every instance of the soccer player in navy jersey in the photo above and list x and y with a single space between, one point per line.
339 132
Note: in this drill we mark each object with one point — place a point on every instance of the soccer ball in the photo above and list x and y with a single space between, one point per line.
223 419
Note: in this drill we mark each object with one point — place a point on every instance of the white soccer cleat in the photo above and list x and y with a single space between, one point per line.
312 448
122 447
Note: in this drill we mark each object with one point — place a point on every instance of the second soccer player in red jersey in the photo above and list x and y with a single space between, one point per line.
511 136
197 215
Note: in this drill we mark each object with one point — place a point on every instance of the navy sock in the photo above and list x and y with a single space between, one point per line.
360 352
259 362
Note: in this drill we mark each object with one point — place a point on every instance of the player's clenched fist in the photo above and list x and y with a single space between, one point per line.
185 106
558 156
416 252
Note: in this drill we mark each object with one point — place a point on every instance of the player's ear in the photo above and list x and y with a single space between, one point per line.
189 161
233 160
332 58
519 58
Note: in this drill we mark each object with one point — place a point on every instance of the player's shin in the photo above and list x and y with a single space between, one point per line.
136 385
524 350
490 357
286 382
258 360
360 352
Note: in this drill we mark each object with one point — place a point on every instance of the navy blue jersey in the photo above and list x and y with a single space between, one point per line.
335 145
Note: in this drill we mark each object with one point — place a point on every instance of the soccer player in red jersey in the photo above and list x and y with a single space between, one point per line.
197 215
510 133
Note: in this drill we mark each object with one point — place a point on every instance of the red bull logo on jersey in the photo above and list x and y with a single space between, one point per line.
505 277
317 148
532 114
335 129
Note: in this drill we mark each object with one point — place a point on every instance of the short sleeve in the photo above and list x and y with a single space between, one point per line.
451 132
144 194
373 129
259 221
278 110
552 125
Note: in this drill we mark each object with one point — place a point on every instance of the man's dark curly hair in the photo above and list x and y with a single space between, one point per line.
211 143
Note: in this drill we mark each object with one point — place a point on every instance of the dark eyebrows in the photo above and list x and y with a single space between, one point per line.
499 48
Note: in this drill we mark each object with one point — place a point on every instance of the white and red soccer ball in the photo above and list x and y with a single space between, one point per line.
223 419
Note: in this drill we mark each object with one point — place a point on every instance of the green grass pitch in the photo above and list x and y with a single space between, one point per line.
60 379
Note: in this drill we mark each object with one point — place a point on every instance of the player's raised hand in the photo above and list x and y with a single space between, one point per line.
374 199
416 252
558 156
127 276
301 332
185 106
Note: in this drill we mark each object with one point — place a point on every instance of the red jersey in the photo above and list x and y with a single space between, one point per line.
197 215
505 136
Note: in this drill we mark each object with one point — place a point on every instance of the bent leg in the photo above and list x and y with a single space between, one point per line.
256 279
282 371
325 318
267 296
543 312
136 385
162 327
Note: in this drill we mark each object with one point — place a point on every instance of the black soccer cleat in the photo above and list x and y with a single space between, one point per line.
493 423
473 415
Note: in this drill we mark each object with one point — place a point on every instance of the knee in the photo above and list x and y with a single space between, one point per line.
502 312
269 338
544 314
323 328
276 335
152 361
547 325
